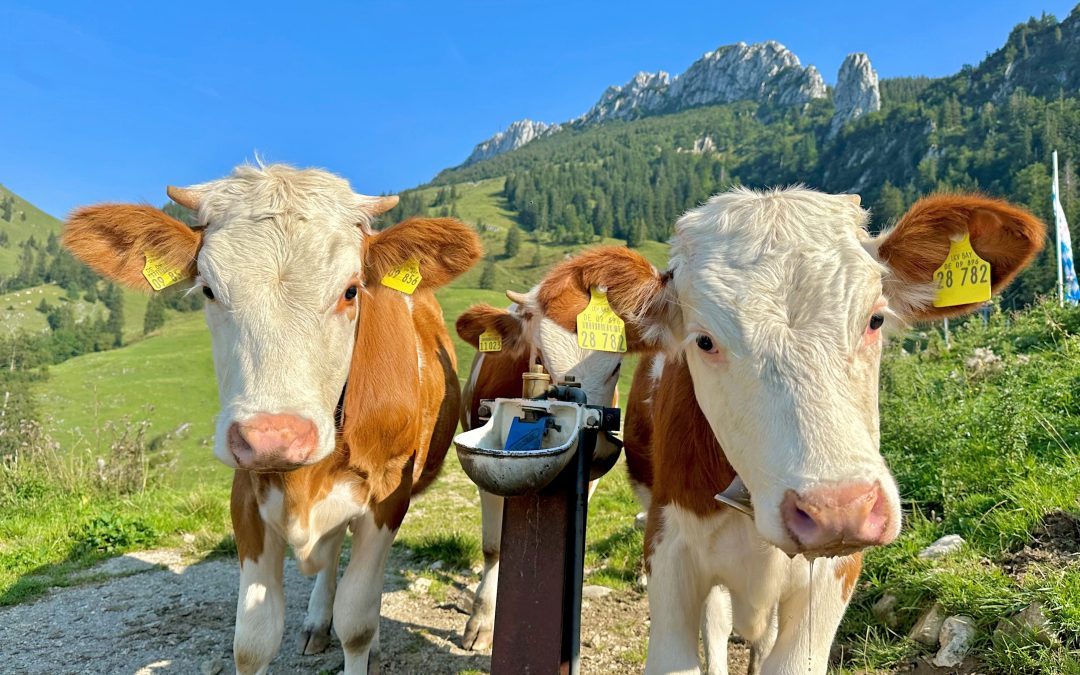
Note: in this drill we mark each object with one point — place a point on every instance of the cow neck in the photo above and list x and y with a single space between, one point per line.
689 464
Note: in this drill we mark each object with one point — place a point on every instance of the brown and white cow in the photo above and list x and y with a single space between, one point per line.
527 338
769 322
291 270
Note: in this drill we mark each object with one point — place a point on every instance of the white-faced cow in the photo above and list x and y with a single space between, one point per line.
527 338
291 271
769 323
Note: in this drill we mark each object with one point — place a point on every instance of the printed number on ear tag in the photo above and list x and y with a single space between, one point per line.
599 327
405 277
159 273
963 278
490 341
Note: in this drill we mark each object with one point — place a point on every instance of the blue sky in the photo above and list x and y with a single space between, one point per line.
112 101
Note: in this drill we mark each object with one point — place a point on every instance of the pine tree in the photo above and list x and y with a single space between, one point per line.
513 242
487 277
114 302
155 314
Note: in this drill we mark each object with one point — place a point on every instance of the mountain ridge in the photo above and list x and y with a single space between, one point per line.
765 72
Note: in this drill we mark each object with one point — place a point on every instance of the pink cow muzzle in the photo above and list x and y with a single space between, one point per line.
272 442
838 519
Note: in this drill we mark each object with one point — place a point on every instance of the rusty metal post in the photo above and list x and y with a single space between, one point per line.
537 618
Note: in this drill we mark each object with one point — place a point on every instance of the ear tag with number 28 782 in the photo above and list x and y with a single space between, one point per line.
964 277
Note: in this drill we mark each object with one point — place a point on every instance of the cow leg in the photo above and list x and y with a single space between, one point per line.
677 591
315 635
359 595
762 645
802 644
260 608
716 629
478 630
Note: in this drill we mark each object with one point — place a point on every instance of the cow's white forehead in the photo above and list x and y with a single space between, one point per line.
755 268
293 198
299 230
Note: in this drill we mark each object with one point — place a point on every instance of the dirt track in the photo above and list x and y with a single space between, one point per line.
151 613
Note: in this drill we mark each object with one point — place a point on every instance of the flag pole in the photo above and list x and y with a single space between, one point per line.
1057 238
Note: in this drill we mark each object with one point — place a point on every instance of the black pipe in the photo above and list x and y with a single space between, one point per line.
563 393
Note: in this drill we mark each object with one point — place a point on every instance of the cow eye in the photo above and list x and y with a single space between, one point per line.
350 292
704 343
876 321
208 293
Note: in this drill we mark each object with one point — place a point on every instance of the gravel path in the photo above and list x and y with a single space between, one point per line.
151 612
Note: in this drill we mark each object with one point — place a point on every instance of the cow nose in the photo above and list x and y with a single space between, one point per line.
267 442
837 519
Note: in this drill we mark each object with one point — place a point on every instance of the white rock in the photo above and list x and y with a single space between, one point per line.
211 667
437 565
957 635
927 629
420 585
950 543
884 610
594 592
1032 620
856 91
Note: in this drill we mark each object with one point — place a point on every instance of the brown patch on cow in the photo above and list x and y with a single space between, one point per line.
637 431
499 377
1004 235
635 290
114 239
689 466
390 512
248 528
444 247
384 411
358 642
847 570
480 318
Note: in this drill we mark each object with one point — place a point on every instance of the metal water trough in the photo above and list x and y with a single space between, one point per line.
541 563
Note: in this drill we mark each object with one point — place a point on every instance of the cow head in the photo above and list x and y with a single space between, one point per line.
524 327
777 302
283 256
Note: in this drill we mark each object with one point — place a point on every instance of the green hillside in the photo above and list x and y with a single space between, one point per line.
20 220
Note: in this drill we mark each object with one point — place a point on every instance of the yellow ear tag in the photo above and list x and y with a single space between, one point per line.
405 277
159 273
490 341
963 278
598 327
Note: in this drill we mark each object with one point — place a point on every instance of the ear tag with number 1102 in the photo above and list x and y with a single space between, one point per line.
490 341
964 277
599 327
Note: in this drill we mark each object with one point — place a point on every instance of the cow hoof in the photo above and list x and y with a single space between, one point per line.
477 637
314 640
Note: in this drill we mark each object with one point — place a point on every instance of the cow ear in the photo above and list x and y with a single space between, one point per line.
116 239
1004 235
444 248
482 318
636 291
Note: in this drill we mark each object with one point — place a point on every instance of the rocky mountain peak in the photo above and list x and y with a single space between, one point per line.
516 135
856 91
644 94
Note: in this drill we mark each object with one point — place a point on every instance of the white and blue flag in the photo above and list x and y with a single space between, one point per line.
1067 285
